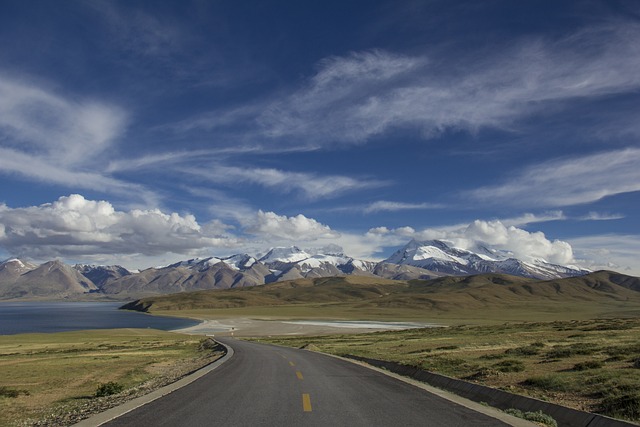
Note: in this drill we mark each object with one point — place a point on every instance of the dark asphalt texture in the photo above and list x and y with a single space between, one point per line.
263 385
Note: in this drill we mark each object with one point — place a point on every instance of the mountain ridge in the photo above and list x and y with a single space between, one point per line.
416 260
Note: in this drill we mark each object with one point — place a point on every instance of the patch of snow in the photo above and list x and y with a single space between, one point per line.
285 254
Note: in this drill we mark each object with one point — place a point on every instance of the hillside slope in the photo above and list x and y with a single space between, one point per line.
486 291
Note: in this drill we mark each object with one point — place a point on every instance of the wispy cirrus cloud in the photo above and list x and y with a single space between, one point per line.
388 206
50 138
568 182
355 97
311 186
37 120
601 216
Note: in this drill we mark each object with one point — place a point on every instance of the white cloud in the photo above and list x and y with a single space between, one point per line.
601 216
617 252
529 218
293 228
355 97
569 181
74 227
387 206
311 186
53 139
63 130
522 244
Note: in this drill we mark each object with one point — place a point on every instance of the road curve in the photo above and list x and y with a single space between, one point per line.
264 385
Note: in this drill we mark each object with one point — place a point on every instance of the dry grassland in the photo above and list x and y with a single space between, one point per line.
51 379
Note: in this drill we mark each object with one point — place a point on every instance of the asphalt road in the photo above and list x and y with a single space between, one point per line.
264 385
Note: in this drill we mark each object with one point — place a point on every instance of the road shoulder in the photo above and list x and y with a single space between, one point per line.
110 414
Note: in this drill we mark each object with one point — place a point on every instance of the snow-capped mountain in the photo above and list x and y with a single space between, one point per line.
293 263
237 262
442 257
285 255
14 267
417 260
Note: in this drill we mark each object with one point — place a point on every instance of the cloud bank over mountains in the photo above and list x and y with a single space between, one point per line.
76 228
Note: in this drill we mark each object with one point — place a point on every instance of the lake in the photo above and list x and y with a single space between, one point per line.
27 317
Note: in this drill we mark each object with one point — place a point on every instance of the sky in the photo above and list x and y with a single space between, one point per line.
141 133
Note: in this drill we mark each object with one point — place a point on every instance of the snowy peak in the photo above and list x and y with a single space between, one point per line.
284 255
440 256
240 261
17 265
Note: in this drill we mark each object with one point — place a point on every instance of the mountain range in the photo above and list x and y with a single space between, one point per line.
417 260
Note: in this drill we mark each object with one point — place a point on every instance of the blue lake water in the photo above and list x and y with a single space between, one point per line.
26 317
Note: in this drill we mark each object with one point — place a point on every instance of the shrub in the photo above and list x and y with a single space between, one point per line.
582 349
107 389
590 364
636 363
523 351
493 356
10 392
448 347
509 365
547 382
624 405
538 417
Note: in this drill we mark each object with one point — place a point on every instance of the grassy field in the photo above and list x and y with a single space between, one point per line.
51 378
349 311
592 365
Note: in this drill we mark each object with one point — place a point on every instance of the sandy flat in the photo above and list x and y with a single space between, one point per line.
246 327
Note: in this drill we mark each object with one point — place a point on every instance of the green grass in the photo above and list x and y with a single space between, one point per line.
538 417
45 373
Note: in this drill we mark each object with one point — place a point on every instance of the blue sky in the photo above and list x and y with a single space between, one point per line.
142 133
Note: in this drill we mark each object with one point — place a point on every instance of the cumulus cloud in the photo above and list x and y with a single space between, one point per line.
569 181
520 243
73 226
289 228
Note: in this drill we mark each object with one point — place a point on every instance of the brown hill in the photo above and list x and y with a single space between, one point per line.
181 279
50 280
447 293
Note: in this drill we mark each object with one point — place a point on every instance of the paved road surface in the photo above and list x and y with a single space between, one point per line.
264 385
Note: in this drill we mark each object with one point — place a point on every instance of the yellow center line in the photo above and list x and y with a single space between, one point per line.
299 375
306 402
292 364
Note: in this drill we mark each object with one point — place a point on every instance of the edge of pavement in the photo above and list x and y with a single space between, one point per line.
117 411
462 401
